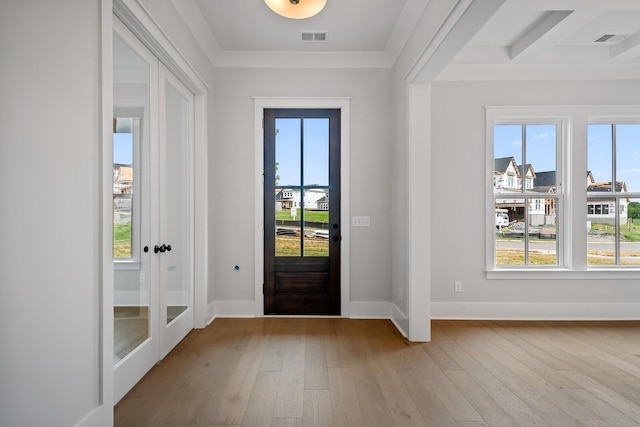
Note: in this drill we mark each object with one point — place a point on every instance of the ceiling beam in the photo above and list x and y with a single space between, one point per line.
453 36
627 48
555 27
537 34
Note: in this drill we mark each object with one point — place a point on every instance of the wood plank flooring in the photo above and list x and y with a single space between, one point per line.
348 373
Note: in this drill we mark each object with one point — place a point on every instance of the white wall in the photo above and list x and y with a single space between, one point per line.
49 169
458 240
233 171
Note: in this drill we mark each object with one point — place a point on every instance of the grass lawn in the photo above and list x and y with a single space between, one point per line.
290 246
311 216
122 240
506 256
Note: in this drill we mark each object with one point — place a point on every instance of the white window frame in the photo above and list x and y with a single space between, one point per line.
573 211
502 117
616 196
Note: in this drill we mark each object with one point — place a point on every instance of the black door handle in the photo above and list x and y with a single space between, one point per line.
162 248
337 238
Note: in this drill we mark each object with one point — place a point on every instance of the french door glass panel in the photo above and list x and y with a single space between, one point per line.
132 80
175 146
302 187
175 203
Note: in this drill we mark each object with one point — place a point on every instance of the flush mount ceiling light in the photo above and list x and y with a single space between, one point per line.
296 9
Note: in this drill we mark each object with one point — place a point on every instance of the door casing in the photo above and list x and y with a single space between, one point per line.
307 103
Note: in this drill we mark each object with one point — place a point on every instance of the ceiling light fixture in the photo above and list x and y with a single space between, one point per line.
296 9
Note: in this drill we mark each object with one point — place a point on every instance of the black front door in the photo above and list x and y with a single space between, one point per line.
302 211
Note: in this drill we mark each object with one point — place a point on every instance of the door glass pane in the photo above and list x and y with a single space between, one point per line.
288 152
174 261
316 152
510 238
288 222
316 222
131 294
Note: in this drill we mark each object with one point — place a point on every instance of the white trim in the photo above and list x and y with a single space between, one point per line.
259 105
400 320
96 418
535 311
369 310
210 313
230 59
103 415
572 165
230 308
418 211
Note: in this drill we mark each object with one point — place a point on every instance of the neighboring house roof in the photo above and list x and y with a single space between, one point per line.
545 179
529 167
590 177
502 164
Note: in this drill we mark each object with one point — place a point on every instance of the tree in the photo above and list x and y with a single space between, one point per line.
633 210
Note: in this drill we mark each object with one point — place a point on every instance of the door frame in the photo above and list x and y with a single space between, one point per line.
260 103
138 20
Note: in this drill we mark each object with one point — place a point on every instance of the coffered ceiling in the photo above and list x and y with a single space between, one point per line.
589 38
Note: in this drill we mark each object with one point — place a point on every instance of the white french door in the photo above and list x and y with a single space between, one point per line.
153 210
175 200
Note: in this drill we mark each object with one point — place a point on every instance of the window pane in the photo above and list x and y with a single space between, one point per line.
599 157
629 231
510 239
316 152
628 157
288 152
601 237
316 223
122 187
507 151
540 170
542 232
288 222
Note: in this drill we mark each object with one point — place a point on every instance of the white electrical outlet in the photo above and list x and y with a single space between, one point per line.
457 286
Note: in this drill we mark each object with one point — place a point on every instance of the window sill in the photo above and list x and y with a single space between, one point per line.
564 274
126 265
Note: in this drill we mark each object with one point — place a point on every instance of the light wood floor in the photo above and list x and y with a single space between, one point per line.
339 372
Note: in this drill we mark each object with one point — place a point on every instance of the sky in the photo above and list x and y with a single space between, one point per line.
316 151
541 148
122 148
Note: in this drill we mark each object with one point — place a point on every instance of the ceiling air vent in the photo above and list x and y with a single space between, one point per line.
313 36
610 38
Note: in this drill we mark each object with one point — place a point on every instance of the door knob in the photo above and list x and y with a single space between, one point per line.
157 249
336 238
168 248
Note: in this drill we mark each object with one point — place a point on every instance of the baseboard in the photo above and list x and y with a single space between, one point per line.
400 320
96 418
535 311
210 314
230 308
367 310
